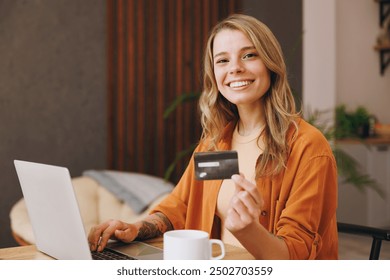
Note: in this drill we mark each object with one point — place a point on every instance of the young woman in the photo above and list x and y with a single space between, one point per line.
282 205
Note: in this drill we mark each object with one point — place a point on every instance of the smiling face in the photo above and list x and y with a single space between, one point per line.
241 76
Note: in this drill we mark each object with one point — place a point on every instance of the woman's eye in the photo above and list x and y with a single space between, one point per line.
219 61
250 55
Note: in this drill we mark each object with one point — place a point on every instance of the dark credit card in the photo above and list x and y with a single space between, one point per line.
216 165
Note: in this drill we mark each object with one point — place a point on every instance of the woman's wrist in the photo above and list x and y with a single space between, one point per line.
153 226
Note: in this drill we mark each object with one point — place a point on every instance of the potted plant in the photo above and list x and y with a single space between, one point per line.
352 124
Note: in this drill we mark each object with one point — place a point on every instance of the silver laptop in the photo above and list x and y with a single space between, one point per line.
55 217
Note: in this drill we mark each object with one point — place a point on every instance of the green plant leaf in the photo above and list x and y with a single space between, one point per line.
185 97
350 171
180 155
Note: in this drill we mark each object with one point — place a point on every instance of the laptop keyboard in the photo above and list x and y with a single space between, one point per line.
109 254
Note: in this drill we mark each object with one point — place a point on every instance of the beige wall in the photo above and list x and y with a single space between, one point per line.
340 64
358 77
319 55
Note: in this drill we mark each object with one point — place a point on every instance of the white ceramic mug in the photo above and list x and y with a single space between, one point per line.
188 244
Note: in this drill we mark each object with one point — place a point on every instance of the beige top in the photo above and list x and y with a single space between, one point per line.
248 151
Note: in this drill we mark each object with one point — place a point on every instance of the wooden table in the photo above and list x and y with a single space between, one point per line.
30 252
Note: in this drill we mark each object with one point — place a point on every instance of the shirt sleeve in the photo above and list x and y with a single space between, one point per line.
175 205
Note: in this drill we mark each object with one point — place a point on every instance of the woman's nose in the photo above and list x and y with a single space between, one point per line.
236 67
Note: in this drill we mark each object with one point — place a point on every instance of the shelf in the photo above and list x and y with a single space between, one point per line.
384 53
365 141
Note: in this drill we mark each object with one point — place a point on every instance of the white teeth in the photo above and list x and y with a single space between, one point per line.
239 84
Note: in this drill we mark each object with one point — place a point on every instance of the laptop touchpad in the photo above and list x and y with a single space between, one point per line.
138 250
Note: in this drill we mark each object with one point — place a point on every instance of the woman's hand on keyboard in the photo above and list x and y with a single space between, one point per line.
112 229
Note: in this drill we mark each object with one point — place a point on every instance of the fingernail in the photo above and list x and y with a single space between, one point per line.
235 177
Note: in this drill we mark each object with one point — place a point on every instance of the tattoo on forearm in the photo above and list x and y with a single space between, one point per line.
154 227
148 230
165 221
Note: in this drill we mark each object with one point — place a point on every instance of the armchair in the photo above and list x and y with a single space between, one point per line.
96 204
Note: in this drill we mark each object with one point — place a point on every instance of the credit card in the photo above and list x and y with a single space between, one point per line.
216 165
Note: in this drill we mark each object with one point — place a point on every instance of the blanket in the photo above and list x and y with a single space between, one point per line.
135 189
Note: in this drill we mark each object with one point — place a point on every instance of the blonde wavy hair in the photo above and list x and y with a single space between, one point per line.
279 105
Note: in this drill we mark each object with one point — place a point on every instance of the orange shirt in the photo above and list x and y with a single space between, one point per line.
300 202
